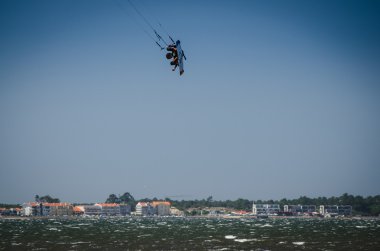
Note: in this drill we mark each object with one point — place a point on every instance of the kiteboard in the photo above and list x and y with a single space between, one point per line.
181 56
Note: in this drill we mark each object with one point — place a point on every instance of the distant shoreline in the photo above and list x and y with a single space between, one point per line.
187 217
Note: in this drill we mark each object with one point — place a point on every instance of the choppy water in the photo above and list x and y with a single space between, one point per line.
189 234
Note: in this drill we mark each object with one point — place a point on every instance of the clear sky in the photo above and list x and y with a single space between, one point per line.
279 99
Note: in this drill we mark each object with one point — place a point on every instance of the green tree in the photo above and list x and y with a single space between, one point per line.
375 210
127 198
48 199
112 198
168 199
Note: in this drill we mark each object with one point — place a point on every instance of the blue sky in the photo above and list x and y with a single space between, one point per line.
279 99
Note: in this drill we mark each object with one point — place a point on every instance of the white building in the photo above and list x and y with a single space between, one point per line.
335 209
267 209
31 209
300 209
144 208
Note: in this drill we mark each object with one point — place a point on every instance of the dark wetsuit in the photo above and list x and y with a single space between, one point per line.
173 50
175 61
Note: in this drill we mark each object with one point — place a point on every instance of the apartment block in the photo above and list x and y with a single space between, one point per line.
300 209
162 208
144 208
335 209
90 209
268 209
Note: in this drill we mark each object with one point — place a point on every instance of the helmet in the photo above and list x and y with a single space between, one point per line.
169 55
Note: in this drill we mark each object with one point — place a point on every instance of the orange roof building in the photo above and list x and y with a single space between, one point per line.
114 209
78 210
108 204
162 208
156 203
47 209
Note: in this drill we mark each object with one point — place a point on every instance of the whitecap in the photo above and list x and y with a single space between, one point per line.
230 237
243 240
144 235
361 226
80 242
299 243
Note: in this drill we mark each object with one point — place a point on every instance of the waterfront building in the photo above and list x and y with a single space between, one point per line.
335 210
90 209
162 208
125 209
32 209
46 209
57 209
109 209
78 210
299 209
10 211
106 209
144 208
266 209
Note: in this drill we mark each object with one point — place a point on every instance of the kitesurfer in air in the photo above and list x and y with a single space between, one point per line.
172 54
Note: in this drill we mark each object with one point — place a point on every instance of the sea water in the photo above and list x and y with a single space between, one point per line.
137 233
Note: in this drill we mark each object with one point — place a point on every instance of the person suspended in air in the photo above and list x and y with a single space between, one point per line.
174 50
172 54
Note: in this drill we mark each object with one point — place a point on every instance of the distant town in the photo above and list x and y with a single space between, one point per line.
126 205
